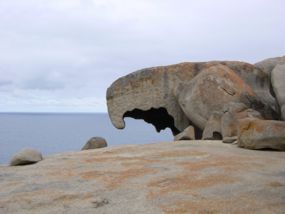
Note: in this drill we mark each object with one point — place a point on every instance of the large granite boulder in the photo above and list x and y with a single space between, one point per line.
268 65
175 96
261 134
211 90
278 84
95 143
25 157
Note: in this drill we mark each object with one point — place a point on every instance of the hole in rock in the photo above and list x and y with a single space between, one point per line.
159 118
217 136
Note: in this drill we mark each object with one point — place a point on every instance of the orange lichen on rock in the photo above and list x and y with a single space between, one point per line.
186 183
114 179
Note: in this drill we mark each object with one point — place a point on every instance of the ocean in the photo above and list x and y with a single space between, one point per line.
61 132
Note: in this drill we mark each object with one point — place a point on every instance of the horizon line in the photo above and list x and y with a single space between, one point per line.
52 112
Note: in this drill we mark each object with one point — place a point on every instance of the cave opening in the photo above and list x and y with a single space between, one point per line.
217 136
158 117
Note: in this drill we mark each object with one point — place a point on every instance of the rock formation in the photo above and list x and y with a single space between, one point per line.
210 96
25 157
95 143
268 65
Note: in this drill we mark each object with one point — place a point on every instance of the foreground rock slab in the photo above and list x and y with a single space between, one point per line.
180 177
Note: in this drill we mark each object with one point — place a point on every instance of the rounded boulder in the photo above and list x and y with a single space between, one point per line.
95 143
25 157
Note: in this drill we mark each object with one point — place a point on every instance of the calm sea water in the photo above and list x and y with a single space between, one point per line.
54 133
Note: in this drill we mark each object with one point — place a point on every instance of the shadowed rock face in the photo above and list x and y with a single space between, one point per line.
278 85
275 69
174 96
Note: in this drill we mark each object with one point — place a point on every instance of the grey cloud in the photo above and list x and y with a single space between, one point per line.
43 84
5 83
66 49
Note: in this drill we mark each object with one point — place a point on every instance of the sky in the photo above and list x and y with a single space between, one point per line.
62 55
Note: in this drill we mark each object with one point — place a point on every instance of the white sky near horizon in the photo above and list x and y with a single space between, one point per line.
61 55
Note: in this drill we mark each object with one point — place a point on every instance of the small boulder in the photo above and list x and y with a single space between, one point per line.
232 112
229 121
261 134
187 134
25 157
95 143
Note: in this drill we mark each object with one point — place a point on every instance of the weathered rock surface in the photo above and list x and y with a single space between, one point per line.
278 84
183 177
148 94
26 156
95 143
233 112
187 134
180 95
229 120
268 65
261 134
211 90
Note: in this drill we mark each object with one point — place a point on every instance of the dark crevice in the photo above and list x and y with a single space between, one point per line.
159 118
23 163
198 132
217 136
266 111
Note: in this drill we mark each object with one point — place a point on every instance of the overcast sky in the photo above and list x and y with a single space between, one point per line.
61 55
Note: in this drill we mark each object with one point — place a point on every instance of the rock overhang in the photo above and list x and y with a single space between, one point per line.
154 94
